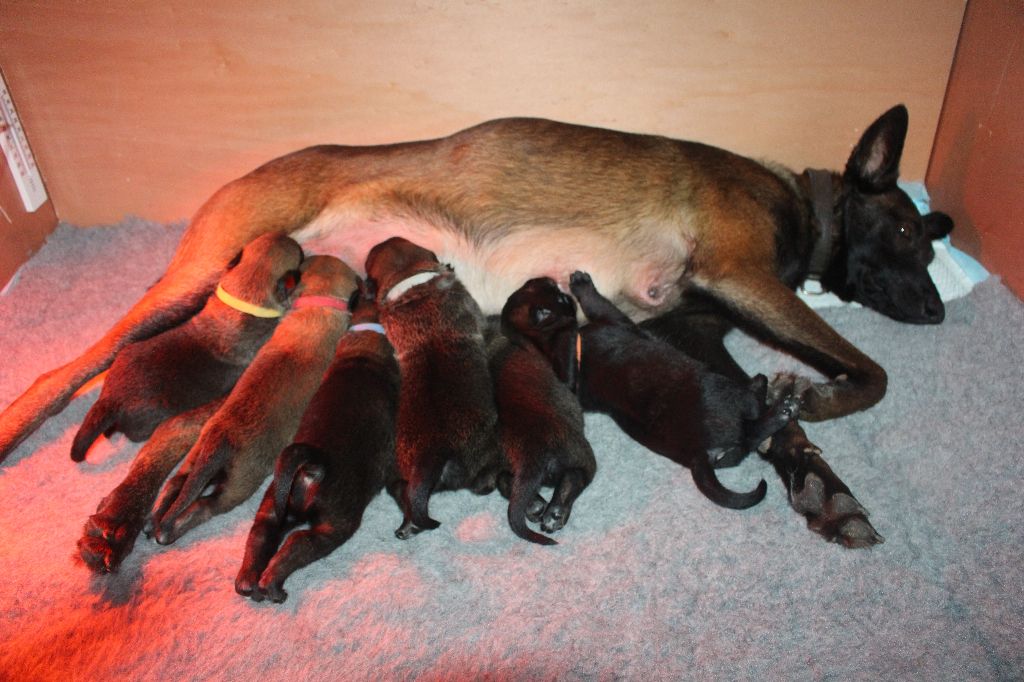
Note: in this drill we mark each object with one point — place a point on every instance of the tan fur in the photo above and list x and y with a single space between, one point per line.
262 413
647 216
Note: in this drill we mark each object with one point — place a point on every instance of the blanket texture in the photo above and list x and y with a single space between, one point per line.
650 580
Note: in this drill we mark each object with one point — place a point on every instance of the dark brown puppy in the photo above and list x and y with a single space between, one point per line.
540 429
342 457
661 398
446 415
237 446
199 361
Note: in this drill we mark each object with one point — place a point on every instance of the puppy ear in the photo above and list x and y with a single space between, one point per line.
234 261
286 285
874 164
937 225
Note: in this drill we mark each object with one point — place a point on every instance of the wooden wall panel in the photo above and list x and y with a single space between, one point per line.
977 168
146 107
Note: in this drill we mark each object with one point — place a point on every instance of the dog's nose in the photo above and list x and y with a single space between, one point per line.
934 311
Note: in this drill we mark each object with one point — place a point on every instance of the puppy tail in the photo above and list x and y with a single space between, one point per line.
291 459
704 476
525 487
100 419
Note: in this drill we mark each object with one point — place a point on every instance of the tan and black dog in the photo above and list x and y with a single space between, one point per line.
236 449
447 419
540 428
342 457
199 361
688 236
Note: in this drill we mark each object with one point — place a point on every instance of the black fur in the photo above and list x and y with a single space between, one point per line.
342 457
446 432
663 399
540 429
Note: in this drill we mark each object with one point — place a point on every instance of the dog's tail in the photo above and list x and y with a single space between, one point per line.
102 418
704 476
295 460
525 487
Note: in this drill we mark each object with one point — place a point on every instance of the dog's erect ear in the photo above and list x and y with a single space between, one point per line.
286 285
937 225
874 164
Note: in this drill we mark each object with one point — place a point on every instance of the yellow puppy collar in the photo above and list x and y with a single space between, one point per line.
244 306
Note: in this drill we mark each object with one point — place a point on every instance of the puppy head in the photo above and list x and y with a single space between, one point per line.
266 272
327 276
391 261
538 310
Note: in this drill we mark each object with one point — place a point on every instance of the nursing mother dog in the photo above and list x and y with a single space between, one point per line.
687 238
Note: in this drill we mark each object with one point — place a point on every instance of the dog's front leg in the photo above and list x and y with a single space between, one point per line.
260 546
816 492
857 382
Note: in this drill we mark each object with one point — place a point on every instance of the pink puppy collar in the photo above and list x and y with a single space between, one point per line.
320 302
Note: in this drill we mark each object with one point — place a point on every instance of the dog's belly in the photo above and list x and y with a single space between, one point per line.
643 277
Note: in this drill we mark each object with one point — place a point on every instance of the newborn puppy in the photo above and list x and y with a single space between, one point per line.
540 429
446 413
342 457
200 360
661 398
236 449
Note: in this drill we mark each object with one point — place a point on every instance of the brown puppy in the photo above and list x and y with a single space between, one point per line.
237 446
540 429
446 414
199 361
342 457
693 238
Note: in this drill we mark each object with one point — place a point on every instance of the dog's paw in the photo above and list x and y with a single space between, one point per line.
785 385
535 511
818 494
555 517
106 541
580 281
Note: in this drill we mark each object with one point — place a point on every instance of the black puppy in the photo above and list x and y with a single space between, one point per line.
199 361
540 428
446 414
342 456
663 399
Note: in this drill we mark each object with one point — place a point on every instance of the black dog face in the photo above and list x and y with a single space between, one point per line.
883 263
538 310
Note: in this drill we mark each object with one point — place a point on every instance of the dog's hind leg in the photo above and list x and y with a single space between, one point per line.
817 493
110 533
299 550
260 546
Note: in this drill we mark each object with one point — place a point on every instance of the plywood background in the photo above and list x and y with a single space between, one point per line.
146 107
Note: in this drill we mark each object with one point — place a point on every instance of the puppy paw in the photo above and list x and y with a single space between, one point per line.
580 281
555 517
535 511
247 585
106 541
273 590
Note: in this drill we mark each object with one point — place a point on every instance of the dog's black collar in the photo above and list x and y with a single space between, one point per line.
823 205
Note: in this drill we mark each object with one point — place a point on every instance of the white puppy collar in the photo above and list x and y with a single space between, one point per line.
409 283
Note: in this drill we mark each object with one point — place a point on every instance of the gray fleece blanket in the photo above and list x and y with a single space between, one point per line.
650 580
